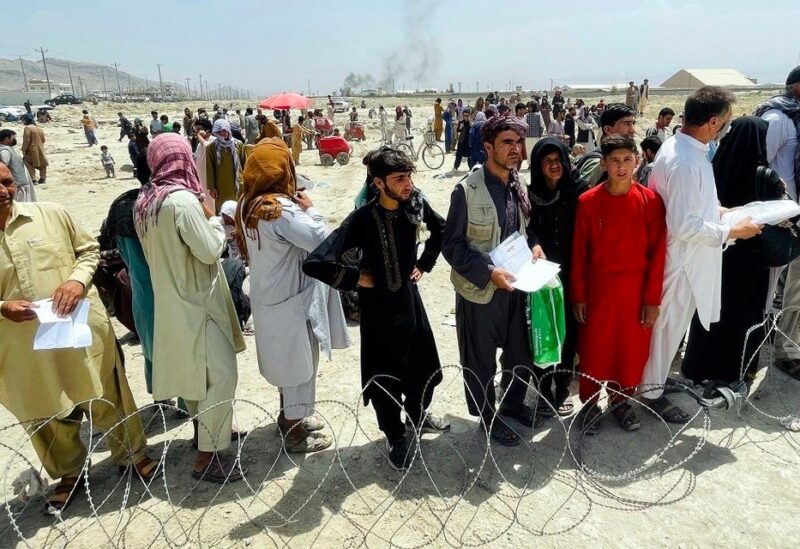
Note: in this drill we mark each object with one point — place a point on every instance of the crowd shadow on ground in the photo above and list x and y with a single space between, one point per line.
452 475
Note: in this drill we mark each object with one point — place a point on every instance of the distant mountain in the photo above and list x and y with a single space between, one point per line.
90 75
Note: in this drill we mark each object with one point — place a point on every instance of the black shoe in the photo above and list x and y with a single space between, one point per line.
523 414
399 453
432 424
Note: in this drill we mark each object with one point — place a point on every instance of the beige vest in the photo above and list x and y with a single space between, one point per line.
483 233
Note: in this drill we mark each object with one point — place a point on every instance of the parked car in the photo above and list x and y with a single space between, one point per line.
339 104
64 99
11 114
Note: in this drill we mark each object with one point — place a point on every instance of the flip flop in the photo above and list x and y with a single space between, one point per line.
70 489
219 471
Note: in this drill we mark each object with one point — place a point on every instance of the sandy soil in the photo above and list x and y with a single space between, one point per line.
726 480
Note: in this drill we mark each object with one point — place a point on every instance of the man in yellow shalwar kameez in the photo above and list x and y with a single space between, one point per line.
44 254
437 118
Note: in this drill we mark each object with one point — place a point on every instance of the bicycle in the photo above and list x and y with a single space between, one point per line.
431 153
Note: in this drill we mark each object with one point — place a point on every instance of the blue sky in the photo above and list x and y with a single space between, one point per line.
270 46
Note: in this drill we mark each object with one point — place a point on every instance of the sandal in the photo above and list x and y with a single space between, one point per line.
313 423
219 471
789 367
308 442
626 417
668 411
67 486
590 424
565 409
523 414
147 469
545 410
503 434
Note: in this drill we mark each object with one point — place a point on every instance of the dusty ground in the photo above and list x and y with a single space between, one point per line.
727 480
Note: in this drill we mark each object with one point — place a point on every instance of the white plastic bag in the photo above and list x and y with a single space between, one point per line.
771 212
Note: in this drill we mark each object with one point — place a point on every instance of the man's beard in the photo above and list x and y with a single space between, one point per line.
394 196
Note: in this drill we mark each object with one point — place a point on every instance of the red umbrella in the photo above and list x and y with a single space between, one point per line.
284 101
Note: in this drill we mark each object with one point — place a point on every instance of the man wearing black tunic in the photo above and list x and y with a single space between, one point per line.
398 352
486 207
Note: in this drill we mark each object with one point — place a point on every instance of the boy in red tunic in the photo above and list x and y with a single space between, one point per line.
618 258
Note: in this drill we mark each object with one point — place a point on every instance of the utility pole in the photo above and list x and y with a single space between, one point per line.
80 85
309 87
71 84
551 85
201 86
219 91
459 88
129 84
477 87
188 89
160 82
116 70
46 74
24 77
103 74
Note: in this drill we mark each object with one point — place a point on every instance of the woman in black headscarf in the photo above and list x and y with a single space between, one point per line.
716 355
554 196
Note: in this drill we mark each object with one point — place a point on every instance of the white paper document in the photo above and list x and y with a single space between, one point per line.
514 256
71 332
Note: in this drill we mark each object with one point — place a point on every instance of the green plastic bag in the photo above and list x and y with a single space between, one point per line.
546 325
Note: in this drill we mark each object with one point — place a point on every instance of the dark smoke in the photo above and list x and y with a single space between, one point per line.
414 60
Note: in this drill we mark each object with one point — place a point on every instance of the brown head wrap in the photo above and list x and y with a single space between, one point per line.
268 174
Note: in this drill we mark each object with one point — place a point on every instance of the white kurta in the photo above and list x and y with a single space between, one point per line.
286 302
684 178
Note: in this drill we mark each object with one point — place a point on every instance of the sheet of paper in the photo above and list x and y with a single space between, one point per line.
771 212
534 275
72 332
514 256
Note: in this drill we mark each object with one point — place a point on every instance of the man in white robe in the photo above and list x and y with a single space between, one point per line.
682 175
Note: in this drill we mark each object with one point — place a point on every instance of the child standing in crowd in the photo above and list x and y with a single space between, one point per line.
618 258
108 161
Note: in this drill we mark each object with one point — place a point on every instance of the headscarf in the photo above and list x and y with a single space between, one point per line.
738 156
268 175
540 193
173 169
227 144
479 117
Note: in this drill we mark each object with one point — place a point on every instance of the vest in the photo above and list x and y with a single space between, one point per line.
17 167
483 233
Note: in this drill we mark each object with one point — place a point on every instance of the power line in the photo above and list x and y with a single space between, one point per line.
46 74
116 70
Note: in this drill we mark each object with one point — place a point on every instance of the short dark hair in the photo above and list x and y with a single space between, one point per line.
119 114
382 162
652 144
519 106
613 113
706 103
5 134
103 147
153 112
164 117
498 124
503 109
616 142
666 111
248 110
204 123
85 111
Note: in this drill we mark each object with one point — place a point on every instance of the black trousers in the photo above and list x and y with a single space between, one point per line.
481 330
388 402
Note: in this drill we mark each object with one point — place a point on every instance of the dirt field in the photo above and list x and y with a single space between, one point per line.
726 481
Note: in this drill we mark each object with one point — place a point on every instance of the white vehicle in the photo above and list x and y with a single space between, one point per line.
340 104
11 113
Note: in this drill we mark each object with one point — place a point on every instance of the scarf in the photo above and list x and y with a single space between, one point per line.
735 163
268 175
228 144
520 192
789 106
173 169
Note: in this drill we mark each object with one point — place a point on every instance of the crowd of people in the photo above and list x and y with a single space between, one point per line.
639 239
